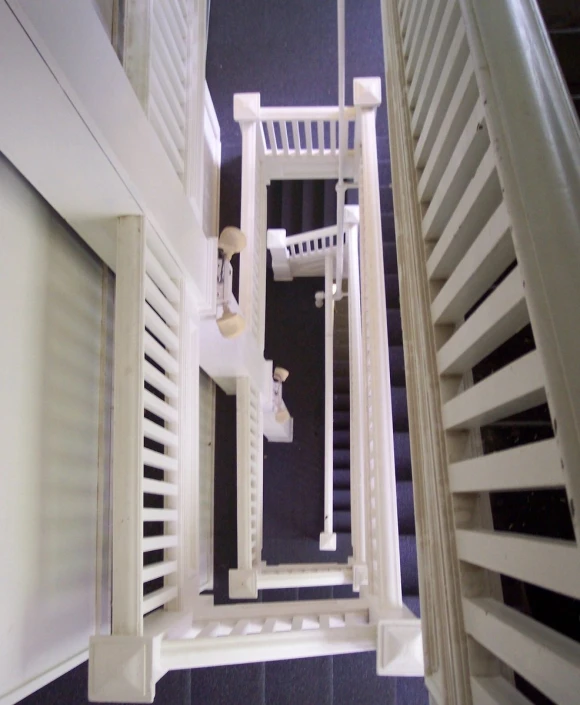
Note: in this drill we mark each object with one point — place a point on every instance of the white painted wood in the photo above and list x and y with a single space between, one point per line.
532 466
325 113
159 302
129 427
463 164
159 570
246 112
309 141
419 36
325 543
54 385
159 354
66 162
257 648
260 611
358 470
296 138
158 327
159 598
501 315
445 647
158 487
496 691
157 406
456 54
160 515
407 8
320 134
478 203
548 563
162 279
425 50
207 401
387 581
411 28
457 116
159 460
548 660
423 96
156 543
272 136
249 435
490 255
530 105
283 126
211 168
516 387
104 488
159 433
304 575
159 380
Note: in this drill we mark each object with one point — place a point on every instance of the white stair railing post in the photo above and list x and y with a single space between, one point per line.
247 113
127 610
357 410
276 242
243 579
367 95
328 537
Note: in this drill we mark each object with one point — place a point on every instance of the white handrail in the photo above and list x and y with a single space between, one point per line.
381 460
530 105
340 187
357 410
325 113
319 234
328 538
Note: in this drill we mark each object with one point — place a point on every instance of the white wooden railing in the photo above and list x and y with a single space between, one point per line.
164 58
270 632
252 219
250 438
382 527
303 132
155 485
189 631
359 487
327 536
303 255
485 152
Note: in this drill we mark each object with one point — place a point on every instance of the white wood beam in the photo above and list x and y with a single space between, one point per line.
549 563
515 388
545 658
533 466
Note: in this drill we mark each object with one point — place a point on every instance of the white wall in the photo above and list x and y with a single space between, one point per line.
51 290
105 9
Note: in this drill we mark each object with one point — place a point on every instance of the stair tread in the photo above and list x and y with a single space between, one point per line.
355 680
341 499
412 691
303 681
226 684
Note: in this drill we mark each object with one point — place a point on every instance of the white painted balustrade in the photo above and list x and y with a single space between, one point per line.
485 152
164 58
305 254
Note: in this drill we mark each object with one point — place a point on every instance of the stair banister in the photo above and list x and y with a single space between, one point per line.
328 537
247 113
342 144
358 476
387 583
535 128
